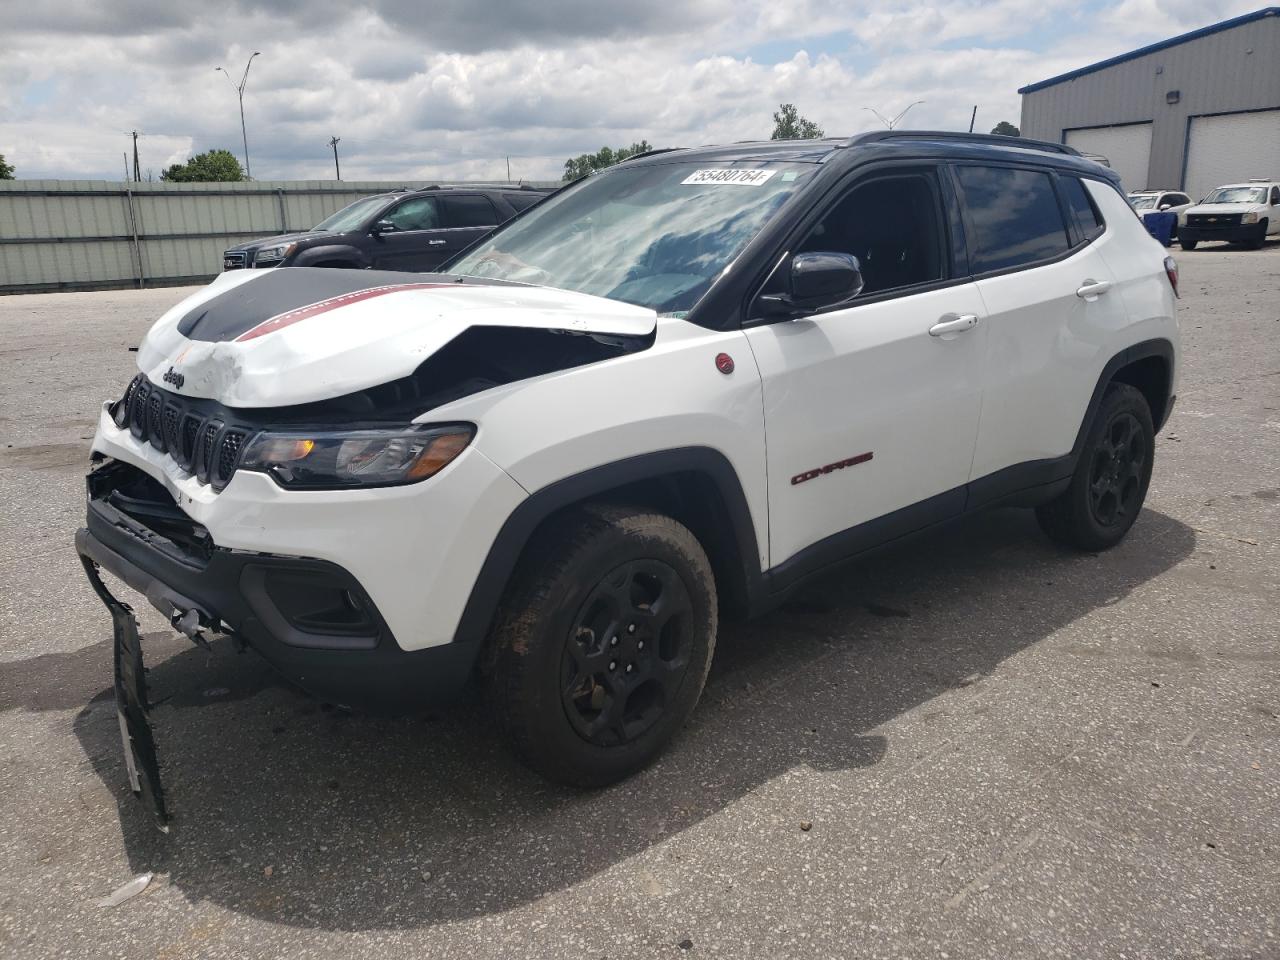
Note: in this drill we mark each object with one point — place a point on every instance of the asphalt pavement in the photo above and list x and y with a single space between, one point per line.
978 745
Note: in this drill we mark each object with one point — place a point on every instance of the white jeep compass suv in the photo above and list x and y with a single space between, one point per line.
669 393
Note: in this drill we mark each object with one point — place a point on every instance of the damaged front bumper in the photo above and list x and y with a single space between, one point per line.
132 707
309 618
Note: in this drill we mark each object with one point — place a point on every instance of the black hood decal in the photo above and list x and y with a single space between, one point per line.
240 309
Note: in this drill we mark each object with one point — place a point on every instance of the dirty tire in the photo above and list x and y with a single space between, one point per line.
1257 244
1188 244
1111 479
560 684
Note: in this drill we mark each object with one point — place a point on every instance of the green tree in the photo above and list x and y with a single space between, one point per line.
6 169
580 166
1006 129
789 125
214 166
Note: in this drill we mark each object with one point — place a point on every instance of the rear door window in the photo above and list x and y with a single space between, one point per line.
468 210
1088 220
1013 216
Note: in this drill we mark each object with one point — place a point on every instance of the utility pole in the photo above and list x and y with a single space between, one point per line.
508 169
333 142
136 176
126 166
239 88
973 117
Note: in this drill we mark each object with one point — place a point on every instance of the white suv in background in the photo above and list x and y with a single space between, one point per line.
1160 201
666 395
1244 213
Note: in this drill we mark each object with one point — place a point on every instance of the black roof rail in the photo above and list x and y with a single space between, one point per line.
990 139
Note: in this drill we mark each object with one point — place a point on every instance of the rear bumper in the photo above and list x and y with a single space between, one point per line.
271 602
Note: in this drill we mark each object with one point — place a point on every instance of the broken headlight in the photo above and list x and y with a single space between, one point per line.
355 458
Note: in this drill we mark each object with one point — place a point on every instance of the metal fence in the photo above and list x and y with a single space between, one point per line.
97 235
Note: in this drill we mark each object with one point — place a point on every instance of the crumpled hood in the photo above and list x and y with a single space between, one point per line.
284 337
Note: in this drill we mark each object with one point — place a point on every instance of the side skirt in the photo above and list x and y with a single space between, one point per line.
1021 485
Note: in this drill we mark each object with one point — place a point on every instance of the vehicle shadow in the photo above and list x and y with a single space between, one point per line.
380 823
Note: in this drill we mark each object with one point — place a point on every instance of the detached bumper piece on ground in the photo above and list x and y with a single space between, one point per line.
132 706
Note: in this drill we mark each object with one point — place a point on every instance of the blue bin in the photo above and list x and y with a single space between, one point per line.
1160 225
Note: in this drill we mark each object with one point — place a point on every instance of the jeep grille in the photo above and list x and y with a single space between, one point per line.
197 439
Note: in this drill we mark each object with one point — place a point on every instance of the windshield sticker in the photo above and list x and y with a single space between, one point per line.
730 176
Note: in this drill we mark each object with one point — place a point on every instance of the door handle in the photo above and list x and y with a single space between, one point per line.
1093 288
954 324
436 243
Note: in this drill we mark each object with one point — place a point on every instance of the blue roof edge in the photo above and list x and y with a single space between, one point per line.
1162 45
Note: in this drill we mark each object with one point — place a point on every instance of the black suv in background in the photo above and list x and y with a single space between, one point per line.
404 230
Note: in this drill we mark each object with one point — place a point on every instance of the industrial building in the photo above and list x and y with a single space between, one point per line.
1189 113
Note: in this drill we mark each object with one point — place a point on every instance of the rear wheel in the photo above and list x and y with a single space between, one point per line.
1111 479
603 644
1187 243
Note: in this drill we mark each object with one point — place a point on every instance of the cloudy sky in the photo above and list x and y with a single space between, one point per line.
448 89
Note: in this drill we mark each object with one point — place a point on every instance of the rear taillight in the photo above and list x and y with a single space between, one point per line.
1171 271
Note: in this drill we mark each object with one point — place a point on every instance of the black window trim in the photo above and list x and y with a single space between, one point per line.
1072 248
951 246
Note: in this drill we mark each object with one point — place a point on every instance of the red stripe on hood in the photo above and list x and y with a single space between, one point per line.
289 318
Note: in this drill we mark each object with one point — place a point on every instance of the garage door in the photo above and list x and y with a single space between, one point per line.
1231 149
1127 148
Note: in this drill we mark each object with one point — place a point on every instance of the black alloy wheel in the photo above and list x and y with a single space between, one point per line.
627 653
602 643
1116 474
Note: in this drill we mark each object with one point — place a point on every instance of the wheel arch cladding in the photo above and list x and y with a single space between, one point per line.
1150 375
696 485
1150 363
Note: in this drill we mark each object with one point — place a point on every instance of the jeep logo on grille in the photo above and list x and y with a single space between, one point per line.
172 376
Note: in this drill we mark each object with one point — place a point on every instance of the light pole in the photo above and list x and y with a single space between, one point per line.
895 121
240 93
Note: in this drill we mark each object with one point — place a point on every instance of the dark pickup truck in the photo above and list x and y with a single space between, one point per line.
405 230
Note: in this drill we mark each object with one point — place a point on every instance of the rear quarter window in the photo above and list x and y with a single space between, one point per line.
522 201
1088 220
1013 216
469 211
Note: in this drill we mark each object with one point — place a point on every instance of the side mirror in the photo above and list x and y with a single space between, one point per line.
383 226
817 279
1165 206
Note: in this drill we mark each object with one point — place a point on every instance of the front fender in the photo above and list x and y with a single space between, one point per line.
313 256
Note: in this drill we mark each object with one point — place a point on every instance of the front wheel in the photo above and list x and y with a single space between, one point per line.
1256 244
603 644
1111 478
1187 244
